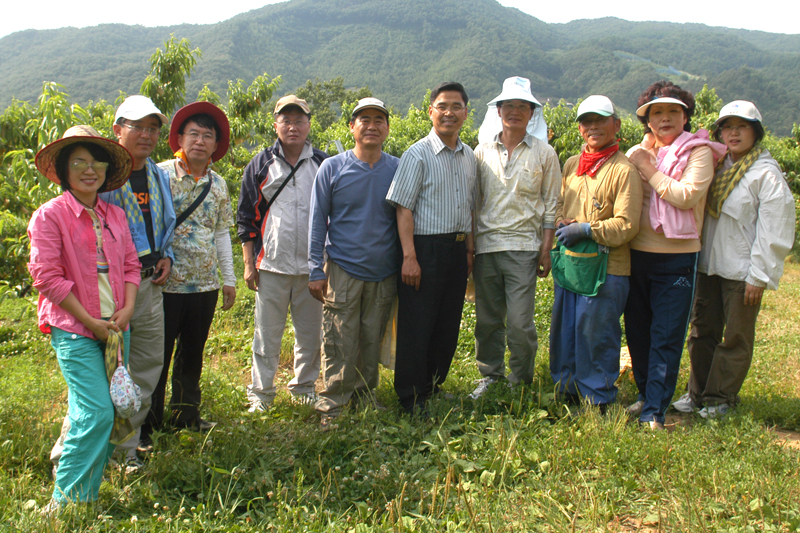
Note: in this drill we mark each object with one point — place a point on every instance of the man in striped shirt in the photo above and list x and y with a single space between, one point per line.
434 193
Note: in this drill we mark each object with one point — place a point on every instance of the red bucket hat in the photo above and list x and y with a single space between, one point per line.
197 108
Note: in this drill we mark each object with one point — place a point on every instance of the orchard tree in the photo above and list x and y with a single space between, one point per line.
165 85
328 99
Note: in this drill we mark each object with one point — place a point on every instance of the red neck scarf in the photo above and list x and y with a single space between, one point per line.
591 163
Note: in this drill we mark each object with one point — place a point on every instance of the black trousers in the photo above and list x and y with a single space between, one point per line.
429 319
187 320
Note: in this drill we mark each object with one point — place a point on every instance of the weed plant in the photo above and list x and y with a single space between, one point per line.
516 460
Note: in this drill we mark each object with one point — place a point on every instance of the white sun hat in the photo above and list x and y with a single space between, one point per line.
514 88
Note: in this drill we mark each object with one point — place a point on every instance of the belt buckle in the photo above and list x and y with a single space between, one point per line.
146 273
461 237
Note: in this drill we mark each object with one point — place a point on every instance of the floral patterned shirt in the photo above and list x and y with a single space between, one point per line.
196 266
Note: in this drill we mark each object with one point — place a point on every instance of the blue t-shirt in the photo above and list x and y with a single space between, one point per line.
351 219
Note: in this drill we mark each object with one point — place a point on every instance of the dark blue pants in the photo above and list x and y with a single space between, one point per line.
428 319
585 340
656 318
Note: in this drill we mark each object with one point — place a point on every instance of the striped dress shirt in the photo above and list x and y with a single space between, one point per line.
437 184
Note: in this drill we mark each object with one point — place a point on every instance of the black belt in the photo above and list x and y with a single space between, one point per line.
148 272
458 237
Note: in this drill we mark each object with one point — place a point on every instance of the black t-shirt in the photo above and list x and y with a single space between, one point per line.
138 181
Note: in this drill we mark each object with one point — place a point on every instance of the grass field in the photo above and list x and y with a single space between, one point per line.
514 461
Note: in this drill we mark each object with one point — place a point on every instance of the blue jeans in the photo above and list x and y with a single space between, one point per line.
91 416
585 340
656 318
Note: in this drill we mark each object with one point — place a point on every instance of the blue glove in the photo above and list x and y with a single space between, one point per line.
572 234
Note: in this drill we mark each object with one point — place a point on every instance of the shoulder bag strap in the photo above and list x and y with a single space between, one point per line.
290 176
197 201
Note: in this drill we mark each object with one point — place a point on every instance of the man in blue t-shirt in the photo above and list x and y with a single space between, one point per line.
356 228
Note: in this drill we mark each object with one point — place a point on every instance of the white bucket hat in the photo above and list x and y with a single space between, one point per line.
739 108
514 88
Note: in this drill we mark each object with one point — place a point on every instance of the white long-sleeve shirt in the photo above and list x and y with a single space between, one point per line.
755 229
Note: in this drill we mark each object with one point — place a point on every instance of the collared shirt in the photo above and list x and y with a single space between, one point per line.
351 220
194 244
611 202
517 196
64 259
437 184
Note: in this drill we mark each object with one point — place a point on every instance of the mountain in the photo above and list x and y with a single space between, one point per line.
401 48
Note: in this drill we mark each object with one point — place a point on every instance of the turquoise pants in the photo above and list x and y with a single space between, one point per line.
91 416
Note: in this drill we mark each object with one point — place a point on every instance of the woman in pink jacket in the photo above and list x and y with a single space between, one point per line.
85 267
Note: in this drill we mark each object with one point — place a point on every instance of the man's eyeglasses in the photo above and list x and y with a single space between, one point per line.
443 108
515 107
139 129
80 165
194 136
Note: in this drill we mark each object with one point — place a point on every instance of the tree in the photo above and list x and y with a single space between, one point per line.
326 97
165 85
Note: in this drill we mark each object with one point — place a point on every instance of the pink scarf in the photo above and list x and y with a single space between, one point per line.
665 218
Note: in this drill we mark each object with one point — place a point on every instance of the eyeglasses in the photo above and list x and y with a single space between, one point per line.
515 107
730 129
443 108
194 136
139 129
79 165
298 122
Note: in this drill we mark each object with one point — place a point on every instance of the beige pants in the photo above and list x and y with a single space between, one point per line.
276 294
353 323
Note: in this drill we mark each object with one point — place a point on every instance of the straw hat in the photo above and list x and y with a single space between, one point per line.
46 158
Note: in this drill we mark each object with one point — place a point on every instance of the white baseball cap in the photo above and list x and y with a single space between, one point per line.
370 103
597 103
739 108
136 107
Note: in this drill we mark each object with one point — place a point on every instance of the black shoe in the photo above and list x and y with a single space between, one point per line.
145 446
198 424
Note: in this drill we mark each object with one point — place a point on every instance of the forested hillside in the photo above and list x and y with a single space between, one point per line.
398 48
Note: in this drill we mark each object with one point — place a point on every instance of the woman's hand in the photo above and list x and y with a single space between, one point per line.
643 162
752 294
101 328
122 318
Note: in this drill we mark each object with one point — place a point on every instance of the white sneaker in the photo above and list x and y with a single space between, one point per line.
257 406
635 409
306 398
684 404
483 386
714 411
654 425
52 508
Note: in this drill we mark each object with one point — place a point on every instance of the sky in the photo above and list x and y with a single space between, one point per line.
51 14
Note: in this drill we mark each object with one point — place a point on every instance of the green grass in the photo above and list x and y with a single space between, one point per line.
514 461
